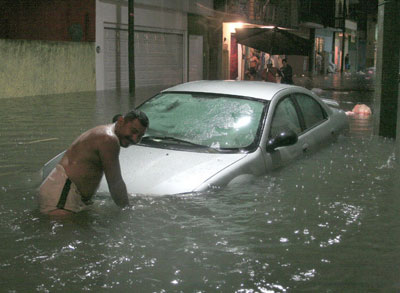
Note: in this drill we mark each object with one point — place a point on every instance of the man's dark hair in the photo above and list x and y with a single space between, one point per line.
115 118
284 60
137 114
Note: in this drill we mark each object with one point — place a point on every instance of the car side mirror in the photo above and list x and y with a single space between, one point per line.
284 138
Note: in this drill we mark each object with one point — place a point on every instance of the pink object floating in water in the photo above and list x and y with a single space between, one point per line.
362 109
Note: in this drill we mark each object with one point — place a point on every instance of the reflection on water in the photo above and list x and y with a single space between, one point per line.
327 223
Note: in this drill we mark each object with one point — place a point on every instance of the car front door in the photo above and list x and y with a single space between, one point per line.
285 116
306 117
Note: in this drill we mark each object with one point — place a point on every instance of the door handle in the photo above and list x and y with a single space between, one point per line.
305 147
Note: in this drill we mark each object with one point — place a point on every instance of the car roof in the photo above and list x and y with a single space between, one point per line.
255 89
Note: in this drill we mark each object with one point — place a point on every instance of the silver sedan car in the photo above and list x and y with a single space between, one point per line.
208 134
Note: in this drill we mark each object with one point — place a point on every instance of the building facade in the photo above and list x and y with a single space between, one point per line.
356 24
331 25
164 47
71 46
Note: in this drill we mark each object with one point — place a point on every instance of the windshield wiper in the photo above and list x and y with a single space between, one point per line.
174 139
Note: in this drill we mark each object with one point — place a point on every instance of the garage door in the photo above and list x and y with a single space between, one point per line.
158 59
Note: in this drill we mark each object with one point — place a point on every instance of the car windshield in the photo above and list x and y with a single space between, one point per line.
204 120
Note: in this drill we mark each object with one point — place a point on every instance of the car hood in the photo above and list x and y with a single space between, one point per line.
156 171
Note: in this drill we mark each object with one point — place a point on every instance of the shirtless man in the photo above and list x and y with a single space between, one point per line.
254 64
72 183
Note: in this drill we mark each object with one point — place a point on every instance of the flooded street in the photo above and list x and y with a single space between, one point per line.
326 223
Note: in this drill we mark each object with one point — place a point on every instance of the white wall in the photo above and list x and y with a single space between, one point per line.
327 34
151 15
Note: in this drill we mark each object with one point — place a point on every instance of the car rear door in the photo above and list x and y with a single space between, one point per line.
315 122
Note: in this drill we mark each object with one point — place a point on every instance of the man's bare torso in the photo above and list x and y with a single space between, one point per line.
82 161
254 62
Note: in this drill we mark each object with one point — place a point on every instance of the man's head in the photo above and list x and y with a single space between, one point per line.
284 61
131 127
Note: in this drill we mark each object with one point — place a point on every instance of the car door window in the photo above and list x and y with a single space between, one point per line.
313 113
285 117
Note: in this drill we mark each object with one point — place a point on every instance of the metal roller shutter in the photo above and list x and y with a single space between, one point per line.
158 58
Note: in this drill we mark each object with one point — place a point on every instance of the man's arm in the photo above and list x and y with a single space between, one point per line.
109 155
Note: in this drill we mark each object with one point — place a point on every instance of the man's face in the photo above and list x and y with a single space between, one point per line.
131 132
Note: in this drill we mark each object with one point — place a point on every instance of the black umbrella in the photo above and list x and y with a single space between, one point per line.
274 41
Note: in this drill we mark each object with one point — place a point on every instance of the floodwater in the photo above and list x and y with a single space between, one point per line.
326 223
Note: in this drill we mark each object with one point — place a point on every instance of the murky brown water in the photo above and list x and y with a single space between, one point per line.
327 223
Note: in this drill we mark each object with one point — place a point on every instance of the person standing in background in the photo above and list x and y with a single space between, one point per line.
271 73
287 72
254 65
318 62
347 62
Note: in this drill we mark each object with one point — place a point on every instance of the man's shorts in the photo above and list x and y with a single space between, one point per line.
59 192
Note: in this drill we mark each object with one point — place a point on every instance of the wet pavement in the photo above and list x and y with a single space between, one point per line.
338 82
